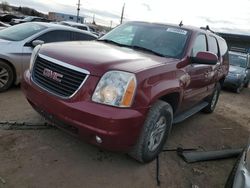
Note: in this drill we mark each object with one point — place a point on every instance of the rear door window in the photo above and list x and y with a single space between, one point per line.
200 45
76 36
55 36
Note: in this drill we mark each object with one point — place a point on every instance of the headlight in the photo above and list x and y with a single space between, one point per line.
116 88
33 56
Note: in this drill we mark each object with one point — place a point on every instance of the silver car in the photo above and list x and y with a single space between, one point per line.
17 43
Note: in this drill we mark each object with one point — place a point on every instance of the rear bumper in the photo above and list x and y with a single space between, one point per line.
118 128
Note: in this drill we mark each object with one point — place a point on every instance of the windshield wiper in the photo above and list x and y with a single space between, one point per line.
134 47
147 50
111 42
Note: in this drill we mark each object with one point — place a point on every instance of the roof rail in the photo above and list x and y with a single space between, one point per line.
207 28
239 49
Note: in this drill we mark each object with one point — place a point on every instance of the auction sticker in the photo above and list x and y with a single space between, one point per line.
175 30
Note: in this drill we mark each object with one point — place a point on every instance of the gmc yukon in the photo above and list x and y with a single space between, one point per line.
124 91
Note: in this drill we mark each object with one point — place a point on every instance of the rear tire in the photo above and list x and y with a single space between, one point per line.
6 76
213 99
154 133
246 84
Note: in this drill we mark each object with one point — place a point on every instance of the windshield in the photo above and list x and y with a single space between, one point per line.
238 60
21 31
164 40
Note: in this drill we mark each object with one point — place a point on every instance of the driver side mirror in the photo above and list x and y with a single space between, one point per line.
205 58
37 42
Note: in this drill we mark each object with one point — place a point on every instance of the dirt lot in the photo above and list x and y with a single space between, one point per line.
51 158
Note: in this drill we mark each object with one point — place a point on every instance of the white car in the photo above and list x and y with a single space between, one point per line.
76 25
17 43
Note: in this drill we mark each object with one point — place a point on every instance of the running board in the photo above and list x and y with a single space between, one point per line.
180 117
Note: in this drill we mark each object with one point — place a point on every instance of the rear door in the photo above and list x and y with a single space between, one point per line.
216 70
199 75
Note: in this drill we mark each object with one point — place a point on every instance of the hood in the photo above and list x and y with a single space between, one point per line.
236 69
99 57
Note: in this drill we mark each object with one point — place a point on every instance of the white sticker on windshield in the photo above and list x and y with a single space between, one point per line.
179 31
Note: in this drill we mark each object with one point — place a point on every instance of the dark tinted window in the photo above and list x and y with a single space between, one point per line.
81 36
212 45
223 47
55 36
200 45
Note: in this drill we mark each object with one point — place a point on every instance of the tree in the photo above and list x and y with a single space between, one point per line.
19 9
5 6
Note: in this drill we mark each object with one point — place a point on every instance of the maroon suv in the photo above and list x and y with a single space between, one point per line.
124 91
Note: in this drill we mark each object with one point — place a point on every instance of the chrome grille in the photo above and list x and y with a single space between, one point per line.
65 85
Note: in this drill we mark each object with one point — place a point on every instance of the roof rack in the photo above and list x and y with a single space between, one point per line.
239 49
207 28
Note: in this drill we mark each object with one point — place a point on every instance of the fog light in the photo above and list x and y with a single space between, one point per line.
98 139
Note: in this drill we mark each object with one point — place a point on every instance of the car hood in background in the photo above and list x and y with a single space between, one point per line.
99 57
236 69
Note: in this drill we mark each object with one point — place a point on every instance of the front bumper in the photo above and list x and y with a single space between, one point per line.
118 128
232 82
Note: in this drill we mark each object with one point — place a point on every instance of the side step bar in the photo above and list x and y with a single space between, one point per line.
181 117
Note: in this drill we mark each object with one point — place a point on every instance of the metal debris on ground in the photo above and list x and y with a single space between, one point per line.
14 125
178 150
2 180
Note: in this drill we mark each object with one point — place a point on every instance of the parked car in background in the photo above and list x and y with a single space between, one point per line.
239 71
28 19
17 43
8 17
240 174
124 91
76 25
3 25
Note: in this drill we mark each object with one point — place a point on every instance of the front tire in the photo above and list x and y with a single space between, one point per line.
239 88
246 84
154 133
213 99
6 76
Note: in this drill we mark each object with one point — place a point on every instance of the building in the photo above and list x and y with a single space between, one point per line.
237 40
55 16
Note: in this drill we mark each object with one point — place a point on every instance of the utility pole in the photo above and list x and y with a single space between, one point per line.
111 23
122 13
78 10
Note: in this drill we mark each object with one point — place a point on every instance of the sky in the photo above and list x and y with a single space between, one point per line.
229 16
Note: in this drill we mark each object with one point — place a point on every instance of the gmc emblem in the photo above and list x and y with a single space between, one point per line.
53 75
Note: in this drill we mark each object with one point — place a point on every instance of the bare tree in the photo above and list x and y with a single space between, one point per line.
5 6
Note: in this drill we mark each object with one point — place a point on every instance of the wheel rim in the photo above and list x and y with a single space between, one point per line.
157 134
4 77
214 99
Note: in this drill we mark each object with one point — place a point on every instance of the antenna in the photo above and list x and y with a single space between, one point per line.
181 24
78 10
207 28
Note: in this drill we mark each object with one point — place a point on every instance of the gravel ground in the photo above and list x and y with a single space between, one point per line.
51 158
